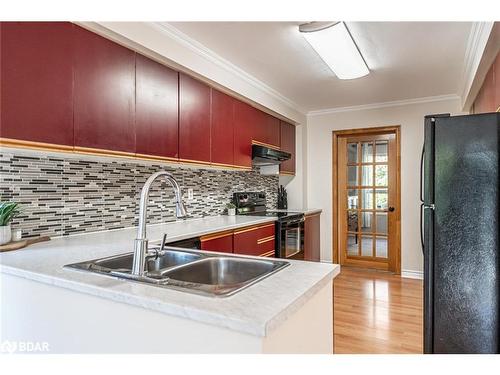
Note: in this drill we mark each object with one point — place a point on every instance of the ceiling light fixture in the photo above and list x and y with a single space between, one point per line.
334 44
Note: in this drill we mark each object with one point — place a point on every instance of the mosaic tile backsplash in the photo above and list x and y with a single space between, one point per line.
61 196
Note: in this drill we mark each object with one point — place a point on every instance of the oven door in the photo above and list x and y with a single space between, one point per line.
292 239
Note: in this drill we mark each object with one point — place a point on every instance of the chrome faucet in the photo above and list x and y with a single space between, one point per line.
141 242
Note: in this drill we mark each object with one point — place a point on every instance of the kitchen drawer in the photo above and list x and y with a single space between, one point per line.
221 242
254 240
267 246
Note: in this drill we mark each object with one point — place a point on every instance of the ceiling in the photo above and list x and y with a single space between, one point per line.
407 60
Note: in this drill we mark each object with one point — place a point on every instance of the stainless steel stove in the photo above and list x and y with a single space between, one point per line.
289 227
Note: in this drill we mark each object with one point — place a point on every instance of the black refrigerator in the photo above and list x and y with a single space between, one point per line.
460 233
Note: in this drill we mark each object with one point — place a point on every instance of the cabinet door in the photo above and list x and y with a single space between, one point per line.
312 238
273 131
194 120
288 145
104 93
221 242
37 81
157 120
257 241
222 128
243 128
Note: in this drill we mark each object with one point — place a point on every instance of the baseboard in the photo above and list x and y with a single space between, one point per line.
410 274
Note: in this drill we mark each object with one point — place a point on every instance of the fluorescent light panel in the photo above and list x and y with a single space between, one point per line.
337 49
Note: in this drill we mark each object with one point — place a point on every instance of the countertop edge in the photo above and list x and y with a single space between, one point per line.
301 301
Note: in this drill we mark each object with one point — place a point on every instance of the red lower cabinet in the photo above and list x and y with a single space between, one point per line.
36 98
258 240
312 238
221 242
104 87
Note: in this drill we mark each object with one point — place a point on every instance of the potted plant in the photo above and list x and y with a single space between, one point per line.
8 211
231 209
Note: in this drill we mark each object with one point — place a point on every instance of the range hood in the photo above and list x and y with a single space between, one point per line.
262 155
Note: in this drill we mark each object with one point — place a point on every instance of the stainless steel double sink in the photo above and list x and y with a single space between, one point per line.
190 271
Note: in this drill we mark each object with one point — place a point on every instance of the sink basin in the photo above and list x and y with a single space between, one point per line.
222 276
123 263
189 271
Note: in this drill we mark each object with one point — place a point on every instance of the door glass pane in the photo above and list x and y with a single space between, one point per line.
381 199
381 151
367 175
352 221
367 199
352 176
366 246
381 175
352 152
352 198
352 244
381 247
367 152
382 222
367 223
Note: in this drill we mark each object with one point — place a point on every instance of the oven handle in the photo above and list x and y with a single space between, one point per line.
286 223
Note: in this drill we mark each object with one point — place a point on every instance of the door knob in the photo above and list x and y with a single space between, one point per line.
391 209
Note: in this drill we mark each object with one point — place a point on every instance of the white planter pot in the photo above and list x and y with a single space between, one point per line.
231 211
5 234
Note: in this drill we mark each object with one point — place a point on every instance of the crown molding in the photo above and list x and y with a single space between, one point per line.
218 60
395 103
476 44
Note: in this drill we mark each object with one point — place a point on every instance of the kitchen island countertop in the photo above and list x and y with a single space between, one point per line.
256 310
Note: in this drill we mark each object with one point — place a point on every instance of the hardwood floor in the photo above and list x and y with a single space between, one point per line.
377 312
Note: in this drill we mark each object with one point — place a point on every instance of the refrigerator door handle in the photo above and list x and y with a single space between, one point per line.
422 174
422 227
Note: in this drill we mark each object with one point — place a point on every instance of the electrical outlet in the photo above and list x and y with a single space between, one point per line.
190 193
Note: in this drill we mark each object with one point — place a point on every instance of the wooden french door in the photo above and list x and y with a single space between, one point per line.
367 208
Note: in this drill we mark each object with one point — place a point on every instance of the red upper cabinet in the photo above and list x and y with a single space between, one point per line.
37 81
244 118
288 145
273 131
488 97
156 117
266 128
194 119
222 128
104 87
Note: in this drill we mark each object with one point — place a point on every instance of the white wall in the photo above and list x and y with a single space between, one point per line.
319 166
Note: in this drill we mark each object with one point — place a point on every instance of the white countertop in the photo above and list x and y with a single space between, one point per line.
256 310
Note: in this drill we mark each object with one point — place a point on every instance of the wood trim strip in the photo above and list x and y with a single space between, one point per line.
215 236
8 142
254 142
287 173
264 240
268 254
101 152
253 227
17 143
159 158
